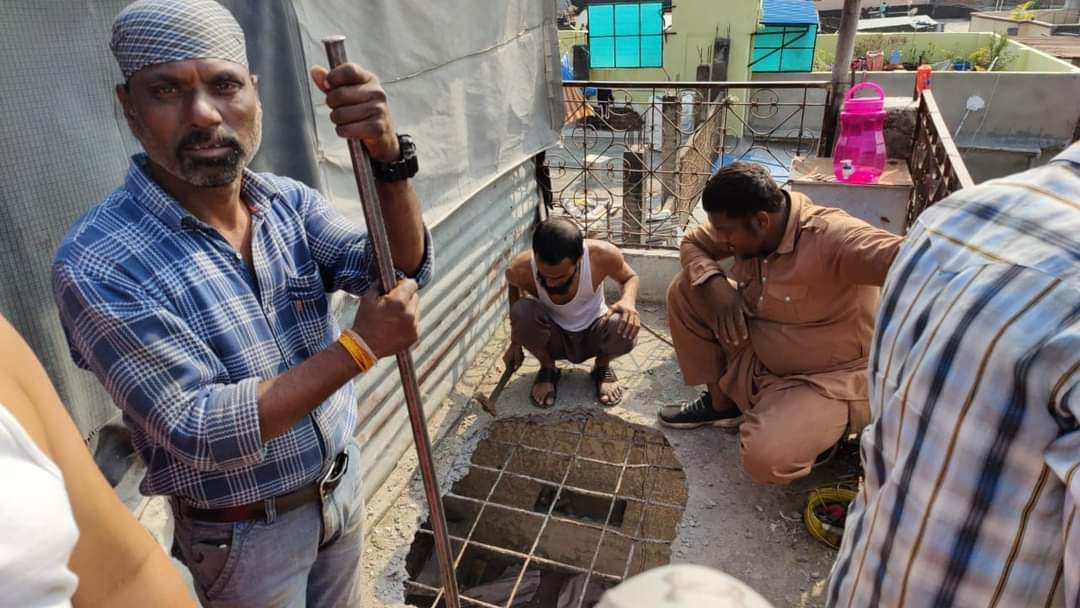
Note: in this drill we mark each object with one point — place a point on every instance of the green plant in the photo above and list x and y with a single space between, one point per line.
995 56
823 60
1021 11
929 54
981 57
865 44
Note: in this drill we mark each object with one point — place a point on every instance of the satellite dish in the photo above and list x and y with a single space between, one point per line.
975 103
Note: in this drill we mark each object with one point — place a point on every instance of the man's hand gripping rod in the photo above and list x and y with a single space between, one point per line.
369 198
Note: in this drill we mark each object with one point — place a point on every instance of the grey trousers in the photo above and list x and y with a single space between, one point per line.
533 328
306 558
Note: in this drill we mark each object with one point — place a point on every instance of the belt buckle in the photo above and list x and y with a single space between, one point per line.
334 475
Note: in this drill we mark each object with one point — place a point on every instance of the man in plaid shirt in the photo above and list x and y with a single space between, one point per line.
971 488
197 293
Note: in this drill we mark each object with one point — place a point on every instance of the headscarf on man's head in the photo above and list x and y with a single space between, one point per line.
151 32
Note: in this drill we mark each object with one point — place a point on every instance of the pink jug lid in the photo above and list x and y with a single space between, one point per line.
865 104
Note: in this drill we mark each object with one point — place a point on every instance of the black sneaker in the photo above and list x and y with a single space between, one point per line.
699 412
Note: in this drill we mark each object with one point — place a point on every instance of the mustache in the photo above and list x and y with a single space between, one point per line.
198 138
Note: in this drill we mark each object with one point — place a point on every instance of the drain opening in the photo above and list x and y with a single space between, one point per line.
580 506
553 514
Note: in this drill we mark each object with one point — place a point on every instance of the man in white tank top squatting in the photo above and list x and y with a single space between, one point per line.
558 312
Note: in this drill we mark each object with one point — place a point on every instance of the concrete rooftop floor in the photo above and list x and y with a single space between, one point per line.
747 530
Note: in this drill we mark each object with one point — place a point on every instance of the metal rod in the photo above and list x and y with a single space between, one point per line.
369 199
523 556
556 451
563 520
483 505
607 522
543 525
574 488
802 123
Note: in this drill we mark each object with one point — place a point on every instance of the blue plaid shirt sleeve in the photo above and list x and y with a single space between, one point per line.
164 378
343 250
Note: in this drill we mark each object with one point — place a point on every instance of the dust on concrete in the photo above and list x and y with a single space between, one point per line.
747 530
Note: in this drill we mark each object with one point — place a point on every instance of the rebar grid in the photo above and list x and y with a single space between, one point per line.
547 519
637 439
641 524
480 513
583 524
607 520
587 491
519 555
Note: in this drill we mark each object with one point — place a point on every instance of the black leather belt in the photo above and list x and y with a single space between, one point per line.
282 504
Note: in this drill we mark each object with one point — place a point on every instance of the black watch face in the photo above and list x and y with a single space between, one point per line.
408 148
401 169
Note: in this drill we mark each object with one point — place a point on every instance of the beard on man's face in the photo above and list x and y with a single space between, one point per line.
559 289
211 172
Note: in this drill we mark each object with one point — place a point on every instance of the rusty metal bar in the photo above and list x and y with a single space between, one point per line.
574 522
585 491
369 199
466 600
607 522
641 524
543 526
580 457
483 506
523 556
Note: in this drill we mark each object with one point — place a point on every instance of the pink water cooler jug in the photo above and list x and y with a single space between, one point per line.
859 156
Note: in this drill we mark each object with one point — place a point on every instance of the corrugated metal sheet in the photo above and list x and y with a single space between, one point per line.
779 12
459 311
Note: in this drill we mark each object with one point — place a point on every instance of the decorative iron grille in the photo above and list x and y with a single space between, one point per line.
936 165
633 163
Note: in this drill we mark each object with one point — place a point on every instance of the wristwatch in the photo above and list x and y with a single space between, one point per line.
400 169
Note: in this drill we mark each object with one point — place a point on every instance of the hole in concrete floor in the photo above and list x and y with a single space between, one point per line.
553 512
580 506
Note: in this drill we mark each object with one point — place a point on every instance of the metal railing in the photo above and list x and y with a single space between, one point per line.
937 169
634 157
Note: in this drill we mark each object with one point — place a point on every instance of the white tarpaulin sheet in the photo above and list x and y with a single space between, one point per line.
472 80
466 78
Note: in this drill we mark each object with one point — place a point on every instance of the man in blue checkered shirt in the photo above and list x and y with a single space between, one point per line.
197 293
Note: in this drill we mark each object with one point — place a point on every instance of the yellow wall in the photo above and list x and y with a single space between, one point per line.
694 26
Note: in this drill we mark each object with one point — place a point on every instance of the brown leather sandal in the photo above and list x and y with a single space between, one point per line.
551 375
601 375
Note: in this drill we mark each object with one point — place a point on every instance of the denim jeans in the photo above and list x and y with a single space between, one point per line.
308 557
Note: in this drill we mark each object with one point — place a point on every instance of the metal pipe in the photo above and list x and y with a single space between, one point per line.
845 48
369 199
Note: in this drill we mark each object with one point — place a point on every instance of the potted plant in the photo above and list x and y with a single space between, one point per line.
995 56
